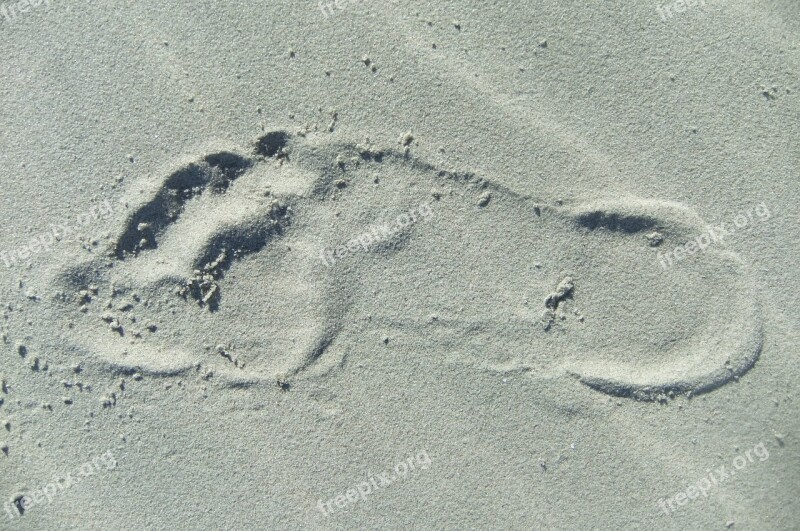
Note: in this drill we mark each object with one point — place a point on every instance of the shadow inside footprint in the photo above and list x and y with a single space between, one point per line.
214 172
613 221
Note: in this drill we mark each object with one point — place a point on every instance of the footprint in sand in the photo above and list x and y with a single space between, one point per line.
347 240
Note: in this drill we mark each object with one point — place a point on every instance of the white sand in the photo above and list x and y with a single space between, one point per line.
399 265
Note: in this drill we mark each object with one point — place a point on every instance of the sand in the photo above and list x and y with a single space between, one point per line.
399 265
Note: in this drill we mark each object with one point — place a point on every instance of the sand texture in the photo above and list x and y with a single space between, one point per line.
399 265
